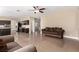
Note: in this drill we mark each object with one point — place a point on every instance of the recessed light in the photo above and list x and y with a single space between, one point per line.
18 10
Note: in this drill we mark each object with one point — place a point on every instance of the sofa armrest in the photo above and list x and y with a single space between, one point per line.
43 29
29 48
7 38
1 42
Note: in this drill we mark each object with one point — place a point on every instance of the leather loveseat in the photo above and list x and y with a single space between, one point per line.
7 44
54 32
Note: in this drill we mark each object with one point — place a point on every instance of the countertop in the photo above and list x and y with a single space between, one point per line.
5 27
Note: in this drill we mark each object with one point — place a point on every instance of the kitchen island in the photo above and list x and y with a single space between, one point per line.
5 31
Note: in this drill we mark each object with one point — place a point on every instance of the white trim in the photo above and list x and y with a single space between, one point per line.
72 37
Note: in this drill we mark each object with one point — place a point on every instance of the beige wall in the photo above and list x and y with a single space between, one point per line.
24 18
64 17
4 18
78 21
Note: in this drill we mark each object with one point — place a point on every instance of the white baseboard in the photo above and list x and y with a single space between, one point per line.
72 37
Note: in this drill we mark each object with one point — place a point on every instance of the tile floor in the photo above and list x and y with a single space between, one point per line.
47 44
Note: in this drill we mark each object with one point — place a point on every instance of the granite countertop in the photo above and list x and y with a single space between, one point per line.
5 27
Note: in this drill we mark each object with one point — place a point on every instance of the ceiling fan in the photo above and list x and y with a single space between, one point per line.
37 9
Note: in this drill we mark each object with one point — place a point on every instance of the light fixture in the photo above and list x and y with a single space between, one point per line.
18 10
36 11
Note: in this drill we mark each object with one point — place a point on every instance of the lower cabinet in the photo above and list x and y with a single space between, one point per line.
5 32
25 30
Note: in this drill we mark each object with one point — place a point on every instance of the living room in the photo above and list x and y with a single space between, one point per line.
53 17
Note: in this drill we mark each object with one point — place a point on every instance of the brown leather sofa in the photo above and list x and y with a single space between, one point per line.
7 44
54 32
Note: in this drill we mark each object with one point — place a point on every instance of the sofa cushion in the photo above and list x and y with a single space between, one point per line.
51 30
3 46
13 46
47 28
7 38
1 42
28 48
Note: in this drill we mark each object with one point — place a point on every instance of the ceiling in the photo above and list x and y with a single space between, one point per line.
24 10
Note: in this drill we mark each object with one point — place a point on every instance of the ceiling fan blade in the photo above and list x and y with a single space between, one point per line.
34 7
42 9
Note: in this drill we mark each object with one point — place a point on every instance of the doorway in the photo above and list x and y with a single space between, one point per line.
35 26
